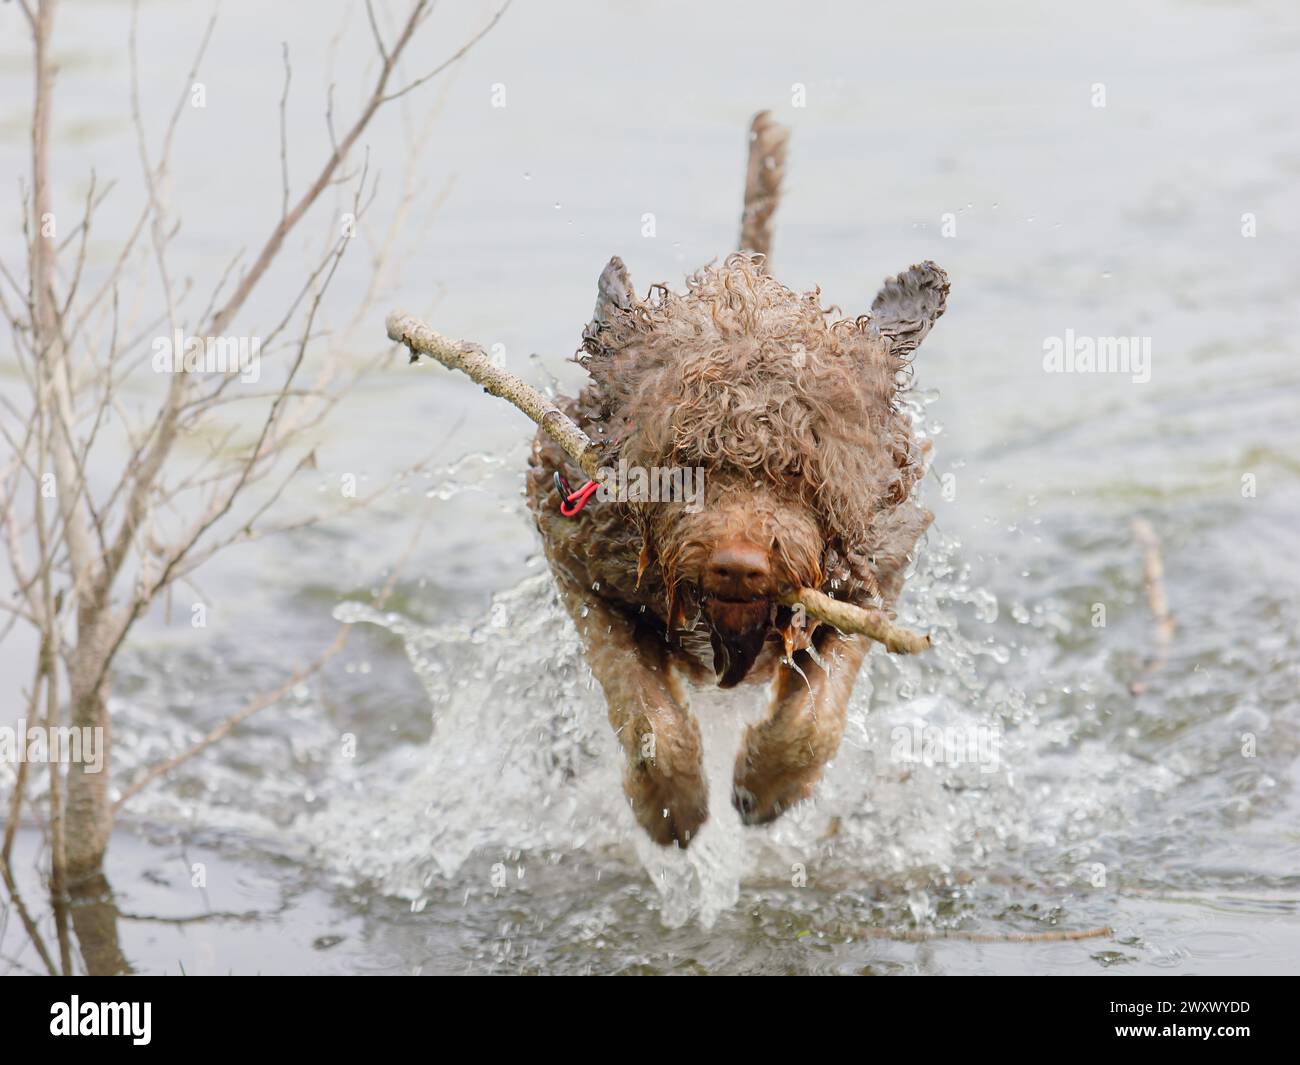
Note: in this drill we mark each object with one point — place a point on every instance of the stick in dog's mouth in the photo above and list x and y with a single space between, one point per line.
856 620
469 359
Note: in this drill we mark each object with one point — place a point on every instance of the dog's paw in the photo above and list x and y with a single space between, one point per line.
671 809
760 798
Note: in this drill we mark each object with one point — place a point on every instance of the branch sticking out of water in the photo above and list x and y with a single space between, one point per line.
408 330
926 935
1153 567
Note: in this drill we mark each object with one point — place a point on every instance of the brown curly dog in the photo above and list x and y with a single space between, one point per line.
753 445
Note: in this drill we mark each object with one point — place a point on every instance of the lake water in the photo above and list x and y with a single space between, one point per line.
480 826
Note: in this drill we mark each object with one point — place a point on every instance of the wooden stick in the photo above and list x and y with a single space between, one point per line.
927 935
856 620
469 359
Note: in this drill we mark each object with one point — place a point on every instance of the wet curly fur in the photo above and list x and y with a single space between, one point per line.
809 467
762 383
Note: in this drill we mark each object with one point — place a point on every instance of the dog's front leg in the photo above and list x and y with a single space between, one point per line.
664 779
782 756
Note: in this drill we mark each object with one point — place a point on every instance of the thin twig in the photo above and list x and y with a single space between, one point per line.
1153 568
458 55
33 932
926 935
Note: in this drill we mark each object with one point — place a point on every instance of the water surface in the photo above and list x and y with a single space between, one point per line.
480 827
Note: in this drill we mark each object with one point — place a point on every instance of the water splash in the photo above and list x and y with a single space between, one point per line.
522 760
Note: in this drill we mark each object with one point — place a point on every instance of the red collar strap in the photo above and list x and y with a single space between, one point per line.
573 501
570 501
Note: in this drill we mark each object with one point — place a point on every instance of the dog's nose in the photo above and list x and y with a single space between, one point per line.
737 570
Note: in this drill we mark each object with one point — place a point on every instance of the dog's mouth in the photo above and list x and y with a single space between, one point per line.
738 629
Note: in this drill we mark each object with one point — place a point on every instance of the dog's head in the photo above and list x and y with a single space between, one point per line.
759 446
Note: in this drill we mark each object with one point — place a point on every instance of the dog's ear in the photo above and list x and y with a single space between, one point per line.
908 305
614 291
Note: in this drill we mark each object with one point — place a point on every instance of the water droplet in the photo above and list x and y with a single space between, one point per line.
986 605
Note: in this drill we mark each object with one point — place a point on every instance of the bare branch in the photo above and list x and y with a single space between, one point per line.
459 55
374 28
284 134
167 509
1153 569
